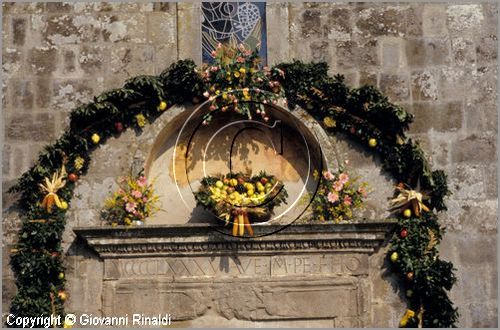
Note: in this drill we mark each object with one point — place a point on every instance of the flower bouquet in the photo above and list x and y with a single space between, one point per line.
132 203
338 195
239 78
242 199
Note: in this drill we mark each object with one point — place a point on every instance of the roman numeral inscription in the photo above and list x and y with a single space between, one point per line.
238 266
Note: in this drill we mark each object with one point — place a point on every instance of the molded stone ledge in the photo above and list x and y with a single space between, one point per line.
209 240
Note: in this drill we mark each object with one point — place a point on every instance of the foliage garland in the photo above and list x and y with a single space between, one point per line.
363 113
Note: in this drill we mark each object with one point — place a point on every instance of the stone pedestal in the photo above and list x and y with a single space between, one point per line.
302 275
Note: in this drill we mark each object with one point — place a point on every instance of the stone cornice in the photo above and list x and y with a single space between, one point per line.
207 240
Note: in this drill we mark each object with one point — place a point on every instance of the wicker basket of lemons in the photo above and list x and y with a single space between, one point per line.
241 199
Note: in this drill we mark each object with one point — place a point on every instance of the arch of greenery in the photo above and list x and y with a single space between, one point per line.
363 114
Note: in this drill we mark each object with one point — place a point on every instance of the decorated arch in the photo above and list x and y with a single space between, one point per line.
363 114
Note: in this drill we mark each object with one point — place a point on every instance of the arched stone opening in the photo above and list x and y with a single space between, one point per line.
291 147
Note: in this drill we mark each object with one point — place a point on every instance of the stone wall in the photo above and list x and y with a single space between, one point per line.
437 60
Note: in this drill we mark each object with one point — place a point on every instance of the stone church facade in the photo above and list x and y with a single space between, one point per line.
437 60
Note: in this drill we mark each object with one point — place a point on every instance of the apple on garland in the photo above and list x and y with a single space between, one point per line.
62 295
119 127
73 177
410 276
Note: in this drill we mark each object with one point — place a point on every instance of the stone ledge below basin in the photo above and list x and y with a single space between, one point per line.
209 240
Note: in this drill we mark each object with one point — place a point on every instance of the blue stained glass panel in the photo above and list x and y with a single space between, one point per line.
233 22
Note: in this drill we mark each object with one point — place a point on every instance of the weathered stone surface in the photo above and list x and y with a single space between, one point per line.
351 54
474 149
42 60
22 95
421 52
395 86
18 31
68 94
434 20
378 21
25 127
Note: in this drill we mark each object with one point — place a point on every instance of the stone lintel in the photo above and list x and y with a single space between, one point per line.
209 240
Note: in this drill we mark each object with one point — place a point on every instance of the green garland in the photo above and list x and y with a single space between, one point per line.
364 114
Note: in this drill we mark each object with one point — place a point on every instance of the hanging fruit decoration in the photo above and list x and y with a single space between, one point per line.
372 143
406 318
409 198
62 295
403 233
73 177
162 106
95 138
240 199
50 187
118 127
410 276
394 257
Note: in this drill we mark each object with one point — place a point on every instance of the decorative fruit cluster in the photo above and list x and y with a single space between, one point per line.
241 198
235 78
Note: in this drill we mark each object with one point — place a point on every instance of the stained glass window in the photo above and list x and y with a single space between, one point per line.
233 22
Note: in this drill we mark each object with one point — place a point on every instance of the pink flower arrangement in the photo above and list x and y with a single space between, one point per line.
338 196
134 200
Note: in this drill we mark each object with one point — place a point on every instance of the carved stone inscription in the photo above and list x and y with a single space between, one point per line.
271 299
238 266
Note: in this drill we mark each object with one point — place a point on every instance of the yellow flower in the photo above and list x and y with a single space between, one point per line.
242 70
79 162
110 203
224 96
329 122
247 97
236 74
217 92
141 120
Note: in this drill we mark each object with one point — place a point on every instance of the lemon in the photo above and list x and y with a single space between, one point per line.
95 138
372 143
394 257
162 106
